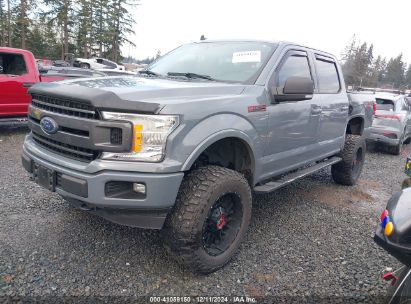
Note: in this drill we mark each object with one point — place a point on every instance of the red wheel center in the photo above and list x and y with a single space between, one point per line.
221 221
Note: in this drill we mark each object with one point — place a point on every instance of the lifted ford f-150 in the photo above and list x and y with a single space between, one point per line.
182 146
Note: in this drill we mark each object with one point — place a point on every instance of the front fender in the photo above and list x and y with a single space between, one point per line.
217 127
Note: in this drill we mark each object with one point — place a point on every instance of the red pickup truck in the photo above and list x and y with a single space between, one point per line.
18 72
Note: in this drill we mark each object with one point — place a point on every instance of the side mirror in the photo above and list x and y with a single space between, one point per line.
295 89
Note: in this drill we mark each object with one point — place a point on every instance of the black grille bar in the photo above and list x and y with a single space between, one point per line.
64 106
70 151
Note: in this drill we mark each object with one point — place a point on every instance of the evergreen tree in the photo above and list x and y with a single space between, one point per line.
9 31
408 77
120 24
85 29
361 69
2 23
395 72
61 13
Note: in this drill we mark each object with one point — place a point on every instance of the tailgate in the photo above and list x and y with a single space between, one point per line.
387 119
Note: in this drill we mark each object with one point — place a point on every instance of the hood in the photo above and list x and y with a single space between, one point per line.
156 89
136 93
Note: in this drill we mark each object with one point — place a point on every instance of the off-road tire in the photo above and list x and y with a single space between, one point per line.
343 172
396 150
183 229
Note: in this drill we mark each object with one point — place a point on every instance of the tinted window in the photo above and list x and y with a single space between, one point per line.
294 66
327 76
109 64
12 64
225 61
384 104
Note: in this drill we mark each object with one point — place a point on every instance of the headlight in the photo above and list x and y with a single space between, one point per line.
150 134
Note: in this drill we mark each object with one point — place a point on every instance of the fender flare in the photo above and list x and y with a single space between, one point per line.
359 115
232 133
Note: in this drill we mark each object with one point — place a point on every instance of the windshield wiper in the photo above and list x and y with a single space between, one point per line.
190 75
148 72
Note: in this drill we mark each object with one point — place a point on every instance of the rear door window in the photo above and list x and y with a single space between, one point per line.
295 65
329 82
12 64
385 104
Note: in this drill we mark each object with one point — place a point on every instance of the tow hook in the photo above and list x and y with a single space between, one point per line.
388 275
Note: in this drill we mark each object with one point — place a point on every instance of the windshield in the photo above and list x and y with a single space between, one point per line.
224 61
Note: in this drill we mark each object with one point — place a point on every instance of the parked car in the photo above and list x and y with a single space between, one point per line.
97 63
392 121
44 62
182 147
18 72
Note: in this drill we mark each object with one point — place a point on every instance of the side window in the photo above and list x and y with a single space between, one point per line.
109 63
295 65
12 64
329 81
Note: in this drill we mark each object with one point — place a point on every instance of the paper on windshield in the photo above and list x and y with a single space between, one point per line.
249 56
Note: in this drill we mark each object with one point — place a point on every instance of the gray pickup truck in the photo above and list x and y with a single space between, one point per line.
182 146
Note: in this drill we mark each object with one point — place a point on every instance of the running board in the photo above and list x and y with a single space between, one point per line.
287 179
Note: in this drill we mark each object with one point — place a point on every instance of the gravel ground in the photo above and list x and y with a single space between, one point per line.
311 238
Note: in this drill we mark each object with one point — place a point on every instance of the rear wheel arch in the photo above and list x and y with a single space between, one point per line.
355 126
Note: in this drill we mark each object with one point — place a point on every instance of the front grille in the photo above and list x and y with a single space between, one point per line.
64 106
74 152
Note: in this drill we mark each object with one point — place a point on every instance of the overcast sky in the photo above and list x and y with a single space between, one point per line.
326 25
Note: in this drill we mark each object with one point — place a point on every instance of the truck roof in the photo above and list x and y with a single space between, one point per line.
14 50
274 42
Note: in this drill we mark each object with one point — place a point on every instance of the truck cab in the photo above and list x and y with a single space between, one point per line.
18 72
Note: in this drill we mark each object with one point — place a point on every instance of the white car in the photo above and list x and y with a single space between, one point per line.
97 64
392 121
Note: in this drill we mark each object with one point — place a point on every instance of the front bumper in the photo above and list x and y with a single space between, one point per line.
88 191
384 136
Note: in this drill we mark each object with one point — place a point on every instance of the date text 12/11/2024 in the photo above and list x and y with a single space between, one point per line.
203 299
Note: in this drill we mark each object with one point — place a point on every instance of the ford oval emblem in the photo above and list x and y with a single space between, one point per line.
49 125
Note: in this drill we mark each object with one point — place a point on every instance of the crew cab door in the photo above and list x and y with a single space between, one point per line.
14 83
333 101
293 125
